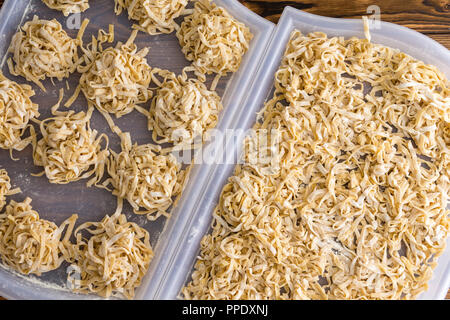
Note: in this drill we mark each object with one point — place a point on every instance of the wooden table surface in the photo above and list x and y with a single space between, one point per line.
430 17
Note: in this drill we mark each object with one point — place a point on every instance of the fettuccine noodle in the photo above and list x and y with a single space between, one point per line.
147 179
5 188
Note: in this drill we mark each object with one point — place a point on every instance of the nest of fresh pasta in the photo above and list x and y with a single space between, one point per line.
69 149
29 244
213 40
112 260
182 111
356 205
16 111
154 17
42 49
68 6
115 79
148 179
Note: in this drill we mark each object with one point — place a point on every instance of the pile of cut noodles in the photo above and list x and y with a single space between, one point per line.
348 198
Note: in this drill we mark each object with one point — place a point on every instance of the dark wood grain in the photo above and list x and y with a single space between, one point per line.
430 17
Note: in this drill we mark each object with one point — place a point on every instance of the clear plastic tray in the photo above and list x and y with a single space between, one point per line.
57 202
404 39
243 95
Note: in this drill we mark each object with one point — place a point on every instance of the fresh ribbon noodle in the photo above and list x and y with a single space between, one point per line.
16 110
68 6
355 206
154 17
69 149
113 260
213 40
5 188
149 180
29 244
41 49
183 110
115 79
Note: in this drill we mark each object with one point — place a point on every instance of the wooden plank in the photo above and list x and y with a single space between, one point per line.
430 16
